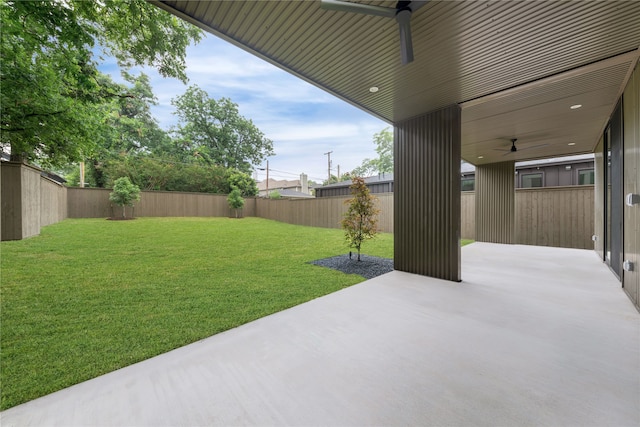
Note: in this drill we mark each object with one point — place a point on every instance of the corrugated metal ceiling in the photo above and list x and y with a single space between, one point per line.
466 52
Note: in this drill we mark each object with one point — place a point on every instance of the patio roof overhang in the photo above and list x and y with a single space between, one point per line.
515 67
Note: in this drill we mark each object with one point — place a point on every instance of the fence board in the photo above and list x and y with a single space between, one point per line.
53 202
550 216
555 216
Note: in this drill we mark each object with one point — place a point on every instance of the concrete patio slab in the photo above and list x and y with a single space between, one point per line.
532 336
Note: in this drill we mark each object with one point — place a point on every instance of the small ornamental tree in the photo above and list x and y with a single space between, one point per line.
124 193
360 222
235 200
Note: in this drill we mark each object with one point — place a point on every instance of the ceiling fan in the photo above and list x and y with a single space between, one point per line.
515 149
402 14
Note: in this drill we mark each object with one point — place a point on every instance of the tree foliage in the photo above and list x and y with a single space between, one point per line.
131 128
235 200
384 162
53 99
213 131
165 174
243 182
360 221
335 179
124 193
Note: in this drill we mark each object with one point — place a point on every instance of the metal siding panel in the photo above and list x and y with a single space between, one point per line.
631 107
495 203
427 194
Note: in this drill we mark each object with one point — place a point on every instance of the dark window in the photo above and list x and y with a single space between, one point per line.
531 180
586 177
468 184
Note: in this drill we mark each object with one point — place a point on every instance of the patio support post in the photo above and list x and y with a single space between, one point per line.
495 203
427 194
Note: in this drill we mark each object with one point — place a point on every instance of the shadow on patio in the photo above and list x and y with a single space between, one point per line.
532 336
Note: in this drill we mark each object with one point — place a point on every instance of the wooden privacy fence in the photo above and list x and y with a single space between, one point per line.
555 216
29 201
324 212
94 203
551 216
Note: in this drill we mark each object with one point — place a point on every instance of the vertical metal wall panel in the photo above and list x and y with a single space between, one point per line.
427 194
495 203
598 200
615 186
631 183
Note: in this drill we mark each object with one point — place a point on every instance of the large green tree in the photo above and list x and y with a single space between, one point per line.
384 162
213 131
131 128
53 99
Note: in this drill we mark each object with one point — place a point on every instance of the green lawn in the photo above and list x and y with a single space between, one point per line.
90 296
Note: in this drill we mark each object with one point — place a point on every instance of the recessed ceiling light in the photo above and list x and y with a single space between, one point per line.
373 89
481 157
575 106
571 143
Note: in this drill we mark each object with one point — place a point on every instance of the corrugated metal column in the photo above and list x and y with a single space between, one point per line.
495 203
427 194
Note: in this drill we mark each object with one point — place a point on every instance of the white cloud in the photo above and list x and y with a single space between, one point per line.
302 120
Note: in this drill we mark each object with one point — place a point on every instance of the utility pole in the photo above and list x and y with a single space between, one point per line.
82 173
267 178
338 173
267 169
328 166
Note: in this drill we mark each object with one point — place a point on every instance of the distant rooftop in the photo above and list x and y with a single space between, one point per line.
383 177
466 168
294 194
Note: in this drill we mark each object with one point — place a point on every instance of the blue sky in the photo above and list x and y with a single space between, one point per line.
303 121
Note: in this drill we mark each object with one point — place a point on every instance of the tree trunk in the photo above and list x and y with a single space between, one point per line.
16 156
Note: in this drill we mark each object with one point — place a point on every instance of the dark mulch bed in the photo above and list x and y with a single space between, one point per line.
368 266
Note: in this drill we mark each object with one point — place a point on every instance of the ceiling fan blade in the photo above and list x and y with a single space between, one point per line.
523 149
367 9
406 45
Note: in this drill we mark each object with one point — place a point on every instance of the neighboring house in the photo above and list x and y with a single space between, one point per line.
555 172
292 194
299 186
381 183
562 171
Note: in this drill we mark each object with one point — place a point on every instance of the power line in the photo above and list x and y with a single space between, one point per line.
328 165
315 178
